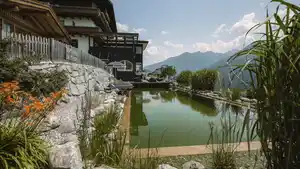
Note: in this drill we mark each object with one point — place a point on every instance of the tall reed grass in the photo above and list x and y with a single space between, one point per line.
275 81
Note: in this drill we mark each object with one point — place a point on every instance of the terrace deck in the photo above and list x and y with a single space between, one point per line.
163 85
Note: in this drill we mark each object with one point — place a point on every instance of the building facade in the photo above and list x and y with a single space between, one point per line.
88 25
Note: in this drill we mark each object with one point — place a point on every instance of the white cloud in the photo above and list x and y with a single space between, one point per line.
221 46
219 30
168 43
122 27
155 53
126 28
139 30
164 32
158 52
237 31
243 25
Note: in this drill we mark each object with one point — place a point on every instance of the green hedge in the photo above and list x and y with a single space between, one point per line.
204 79
185 78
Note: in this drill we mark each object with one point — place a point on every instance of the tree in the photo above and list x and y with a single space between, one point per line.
168 71
185 77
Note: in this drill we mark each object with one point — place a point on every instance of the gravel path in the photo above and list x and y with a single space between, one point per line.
243 159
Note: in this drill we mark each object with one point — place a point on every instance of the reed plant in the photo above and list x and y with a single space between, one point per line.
275 81
106 144
224 141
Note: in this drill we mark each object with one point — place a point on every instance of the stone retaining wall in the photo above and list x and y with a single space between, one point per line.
59 128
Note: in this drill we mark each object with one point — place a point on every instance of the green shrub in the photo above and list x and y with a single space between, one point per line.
235 94
168 71
40 83
36 82
185 78
106 122
21 148
204 79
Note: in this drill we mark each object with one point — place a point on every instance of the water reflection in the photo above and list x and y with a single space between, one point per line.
167 96
205 106
184 118
137 116
146 100
183 99
200 104
153 92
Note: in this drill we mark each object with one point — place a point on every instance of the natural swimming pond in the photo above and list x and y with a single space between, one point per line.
174 119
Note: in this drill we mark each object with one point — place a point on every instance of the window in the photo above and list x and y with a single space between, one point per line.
7 30
74 43
138 67
139 50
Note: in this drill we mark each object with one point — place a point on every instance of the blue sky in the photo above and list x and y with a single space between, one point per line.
177 26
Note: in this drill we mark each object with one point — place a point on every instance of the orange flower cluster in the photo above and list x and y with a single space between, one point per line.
12 96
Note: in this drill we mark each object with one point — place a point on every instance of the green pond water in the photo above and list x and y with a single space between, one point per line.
173 119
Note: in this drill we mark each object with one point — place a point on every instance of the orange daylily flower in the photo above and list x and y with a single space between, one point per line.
27 111
9 99
47 100
31 98
12 86
38 105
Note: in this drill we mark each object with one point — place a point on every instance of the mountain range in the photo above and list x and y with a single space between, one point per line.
190 61
198 60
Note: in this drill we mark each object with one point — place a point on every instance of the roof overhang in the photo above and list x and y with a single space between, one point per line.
144 43
90 31
108 5
41 14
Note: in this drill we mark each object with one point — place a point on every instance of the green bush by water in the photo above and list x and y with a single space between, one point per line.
185 78
204 79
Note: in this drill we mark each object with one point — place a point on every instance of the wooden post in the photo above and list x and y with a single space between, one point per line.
1 28
51 48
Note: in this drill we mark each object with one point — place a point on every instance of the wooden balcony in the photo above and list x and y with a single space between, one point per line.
95 14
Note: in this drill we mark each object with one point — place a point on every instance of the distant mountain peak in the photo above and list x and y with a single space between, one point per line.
189 61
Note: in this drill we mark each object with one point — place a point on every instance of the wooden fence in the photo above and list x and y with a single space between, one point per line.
48 49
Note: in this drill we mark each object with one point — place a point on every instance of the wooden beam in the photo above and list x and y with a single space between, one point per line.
14 19
37 23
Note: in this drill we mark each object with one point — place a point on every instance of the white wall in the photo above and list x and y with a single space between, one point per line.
83 42
86 22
